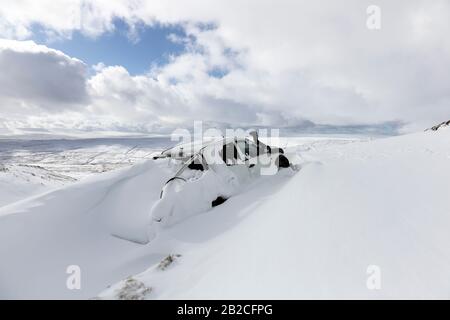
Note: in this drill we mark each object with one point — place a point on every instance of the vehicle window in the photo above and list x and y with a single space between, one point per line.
229 153
248 148
252 149
195 163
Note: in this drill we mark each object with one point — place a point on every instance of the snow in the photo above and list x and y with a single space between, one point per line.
442 126
31 167
312 234
75 225
20 181
384 203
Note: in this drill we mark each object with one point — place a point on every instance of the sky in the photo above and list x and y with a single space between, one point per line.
152 66
138 52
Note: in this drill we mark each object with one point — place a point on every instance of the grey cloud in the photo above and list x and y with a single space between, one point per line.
49 80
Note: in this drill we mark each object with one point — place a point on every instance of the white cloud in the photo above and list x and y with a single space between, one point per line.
282 61
61 18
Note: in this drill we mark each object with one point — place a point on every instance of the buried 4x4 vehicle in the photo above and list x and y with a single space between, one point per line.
212 172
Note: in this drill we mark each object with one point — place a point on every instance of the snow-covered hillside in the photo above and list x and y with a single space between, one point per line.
31 167
441 126
310 234
20 181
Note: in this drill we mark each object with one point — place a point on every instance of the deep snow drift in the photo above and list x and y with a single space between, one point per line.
307 235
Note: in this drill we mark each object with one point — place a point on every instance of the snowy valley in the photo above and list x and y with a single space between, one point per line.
30 167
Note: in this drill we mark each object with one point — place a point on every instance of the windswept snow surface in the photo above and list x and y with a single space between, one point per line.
79 225
31 167
312 234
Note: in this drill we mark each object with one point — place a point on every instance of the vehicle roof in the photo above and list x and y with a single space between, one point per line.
186 150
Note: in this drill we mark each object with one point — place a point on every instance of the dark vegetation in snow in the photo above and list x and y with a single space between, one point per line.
133 289
439 126
167 261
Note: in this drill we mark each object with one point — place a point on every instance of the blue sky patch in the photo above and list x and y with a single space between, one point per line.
218 73
116 48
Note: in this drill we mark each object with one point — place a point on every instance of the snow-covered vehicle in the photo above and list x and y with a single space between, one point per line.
212 172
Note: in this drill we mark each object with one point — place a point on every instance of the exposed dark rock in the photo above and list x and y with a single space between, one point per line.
439 126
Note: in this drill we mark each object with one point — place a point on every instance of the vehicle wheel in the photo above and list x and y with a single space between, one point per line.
282 161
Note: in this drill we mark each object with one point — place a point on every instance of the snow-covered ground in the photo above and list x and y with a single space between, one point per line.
310 234
30 167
